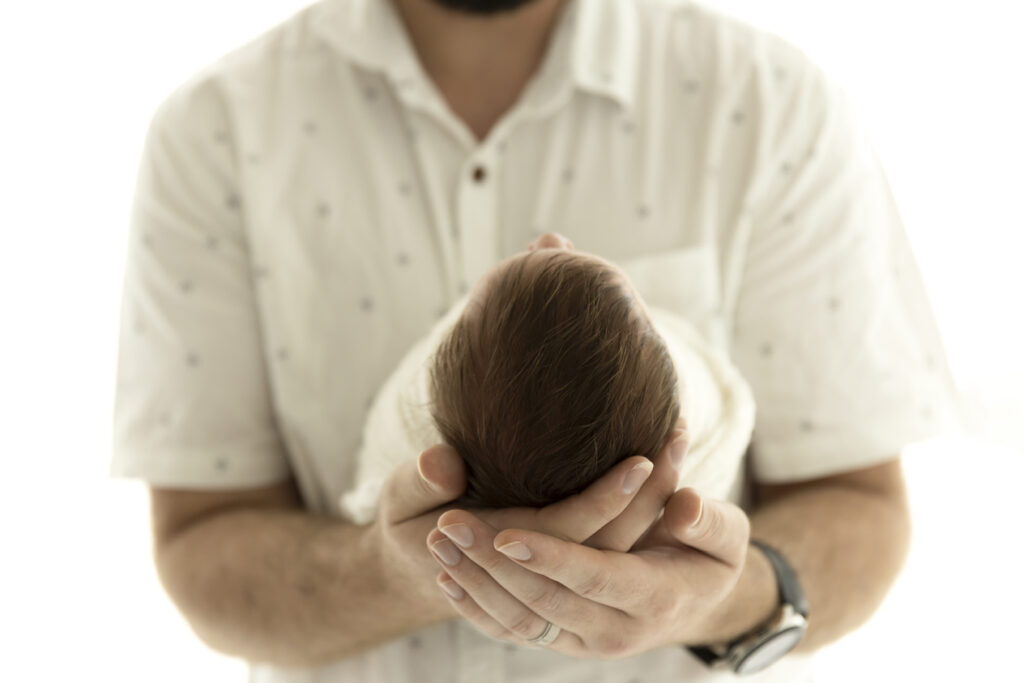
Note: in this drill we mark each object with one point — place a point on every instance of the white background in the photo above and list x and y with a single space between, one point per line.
938 84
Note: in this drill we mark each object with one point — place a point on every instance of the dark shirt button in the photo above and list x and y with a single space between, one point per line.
479 174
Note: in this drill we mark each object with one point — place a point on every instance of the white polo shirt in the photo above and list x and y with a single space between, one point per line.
308 205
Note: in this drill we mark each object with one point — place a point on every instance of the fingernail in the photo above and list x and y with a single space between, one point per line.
452 589
678 449
516 550
446 552
460 533
635 477
419 468
700 513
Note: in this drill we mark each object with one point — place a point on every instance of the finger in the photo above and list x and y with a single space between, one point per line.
471 611
622 533
505 590
509 616
714 527
578 517
600 576
437 477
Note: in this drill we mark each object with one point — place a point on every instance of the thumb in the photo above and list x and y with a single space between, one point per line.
436 477
714 527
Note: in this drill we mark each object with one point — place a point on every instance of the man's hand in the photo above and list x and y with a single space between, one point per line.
613 512
608 514
410 502
609 604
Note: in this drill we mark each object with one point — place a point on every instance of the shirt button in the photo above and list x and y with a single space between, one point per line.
479 174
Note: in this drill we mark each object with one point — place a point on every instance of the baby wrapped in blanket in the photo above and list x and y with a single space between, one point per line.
548 373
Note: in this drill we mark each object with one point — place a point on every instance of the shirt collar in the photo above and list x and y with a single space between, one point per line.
603 49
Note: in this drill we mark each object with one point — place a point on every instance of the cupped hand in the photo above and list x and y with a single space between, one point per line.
614 511
608 512
609 604
411 500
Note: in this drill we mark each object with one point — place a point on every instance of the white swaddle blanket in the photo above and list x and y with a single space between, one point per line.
715 401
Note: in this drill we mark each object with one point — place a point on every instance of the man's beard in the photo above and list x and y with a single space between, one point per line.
482 6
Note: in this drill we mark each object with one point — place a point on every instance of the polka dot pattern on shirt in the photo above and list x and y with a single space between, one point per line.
656 219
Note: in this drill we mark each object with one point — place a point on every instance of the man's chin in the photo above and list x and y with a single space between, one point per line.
482 7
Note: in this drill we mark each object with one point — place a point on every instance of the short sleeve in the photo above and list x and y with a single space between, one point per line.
192 402
832 328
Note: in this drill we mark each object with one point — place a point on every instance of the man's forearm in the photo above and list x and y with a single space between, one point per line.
846 545
288 588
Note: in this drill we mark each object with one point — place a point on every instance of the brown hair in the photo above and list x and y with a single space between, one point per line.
553 379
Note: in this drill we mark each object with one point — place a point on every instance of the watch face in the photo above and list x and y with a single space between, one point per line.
770 650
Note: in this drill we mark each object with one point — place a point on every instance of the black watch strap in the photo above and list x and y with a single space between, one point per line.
789 593
789 587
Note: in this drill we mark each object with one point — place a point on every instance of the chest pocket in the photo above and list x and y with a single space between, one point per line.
683 281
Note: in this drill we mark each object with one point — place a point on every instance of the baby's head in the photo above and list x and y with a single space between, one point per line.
552 374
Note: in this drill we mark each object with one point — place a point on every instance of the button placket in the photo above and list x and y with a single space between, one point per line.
476 218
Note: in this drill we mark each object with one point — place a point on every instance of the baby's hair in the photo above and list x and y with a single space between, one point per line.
552 379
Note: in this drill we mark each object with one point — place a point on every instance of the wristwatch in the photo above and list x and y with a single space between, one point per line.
766 644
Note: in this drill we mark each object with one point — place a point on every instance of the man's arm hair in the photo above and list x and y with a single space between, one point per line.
845 535
258 577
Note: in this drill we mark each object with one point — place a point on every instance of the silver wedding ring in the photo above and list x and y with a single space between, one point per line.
547 636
